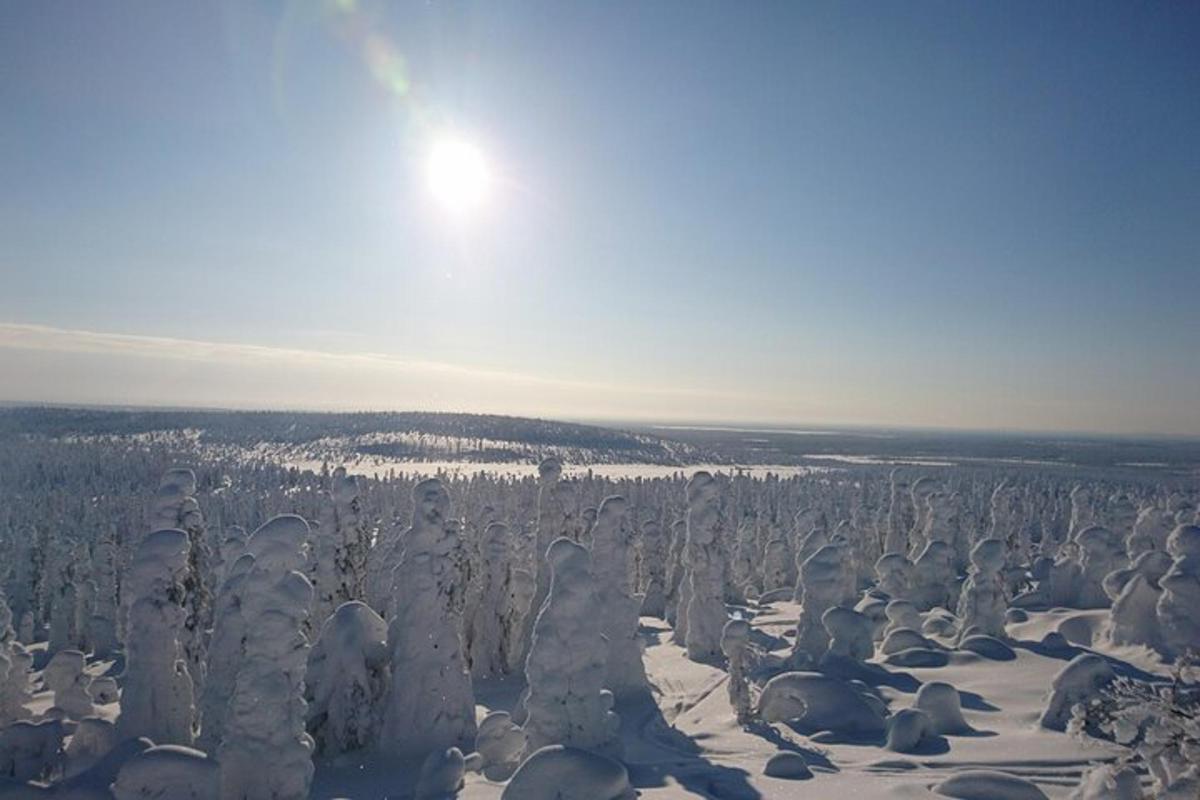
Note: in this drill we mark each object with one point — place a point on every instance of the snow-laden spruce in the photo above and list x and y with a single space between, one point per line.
1177 607
493 627
820 586
157 696
616 604
653 569
706 615
342 542
430 706
265 753
175 507
347 680
226 651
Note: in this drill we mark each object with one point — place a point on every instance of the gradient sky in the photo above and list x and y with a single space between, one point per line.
980 215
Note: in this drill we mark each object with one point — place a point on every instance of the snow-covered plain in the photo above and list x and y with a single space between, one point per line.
182 619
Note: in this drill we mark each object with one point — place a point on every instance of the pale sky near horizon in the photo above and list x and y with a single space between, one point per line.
936 214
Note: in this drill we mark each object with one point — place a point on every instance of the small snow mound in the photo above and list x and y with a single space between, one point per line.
987 646
104 690
918 657
1106 782
941 702
988 785
903 639
908 729
556 772
1080 681
168 770
441 775
1015 615
789 766
1055 641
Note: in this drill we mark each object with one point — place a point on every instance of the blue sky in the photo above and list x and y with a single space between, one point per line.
935 214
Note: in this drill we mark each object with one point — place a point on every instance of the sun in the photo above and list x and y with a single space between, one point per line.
459 177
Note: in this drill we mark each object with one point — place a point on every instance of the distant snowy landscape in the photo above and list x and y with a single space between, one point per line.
274 605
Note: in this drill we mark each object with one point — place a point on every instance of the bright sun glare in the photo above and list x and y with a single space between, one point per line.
458 175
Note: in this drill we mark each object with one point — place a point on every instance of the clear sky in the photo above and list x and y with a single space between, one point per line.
952 214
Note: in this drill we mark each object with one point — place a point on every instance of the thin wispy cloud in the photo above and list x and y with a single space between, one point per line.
238 374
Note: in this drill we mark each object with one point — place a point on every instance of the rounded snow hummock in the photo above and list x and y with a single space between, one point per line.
556 772
788 765
944 706
818 702
168 771
988 785
987 646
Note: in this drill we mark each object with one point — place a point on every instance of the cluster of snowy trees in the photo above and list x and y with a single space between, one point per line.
267 616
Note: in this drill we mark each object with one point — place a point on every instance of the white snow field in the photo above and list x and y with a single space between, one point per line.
175 627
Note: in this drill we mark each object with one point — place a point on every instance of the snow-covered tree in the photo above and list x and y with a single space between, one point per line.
706 615
567 703
265 753
157 699
347 679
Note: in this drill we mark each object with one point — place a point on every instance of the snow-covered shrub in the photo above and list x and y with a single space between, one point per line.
735 639
982 604
347 679
67 677
31 750
1159 723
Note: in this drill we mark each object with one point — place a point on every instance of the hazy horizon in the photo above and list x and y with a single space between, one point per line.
837 214
366 368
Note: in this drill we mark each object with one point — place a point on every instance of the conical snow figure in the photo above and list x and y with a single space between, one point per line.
568 703
982 604
1177 607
